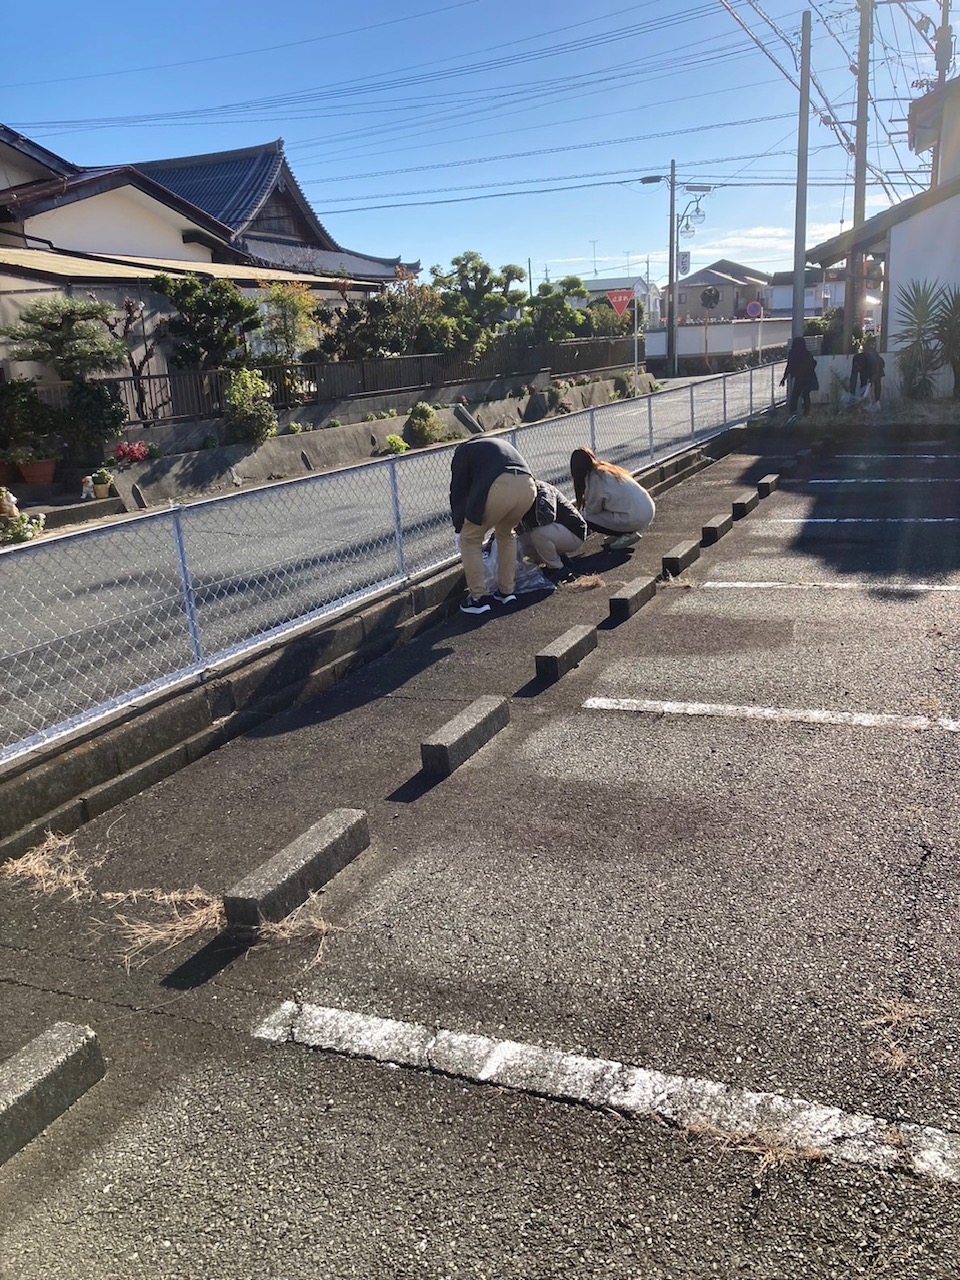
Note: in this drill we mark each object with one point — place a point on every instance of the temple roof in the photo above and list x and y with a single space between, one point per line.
254 192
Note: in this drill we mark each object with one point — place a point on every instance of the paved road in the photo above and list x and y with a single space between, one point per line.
721 849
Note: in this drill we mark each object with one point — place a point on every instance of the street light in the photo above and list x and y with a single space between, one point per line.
678 226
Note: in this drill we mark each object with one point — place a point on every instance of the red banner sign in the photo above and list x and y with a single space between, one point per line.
620 299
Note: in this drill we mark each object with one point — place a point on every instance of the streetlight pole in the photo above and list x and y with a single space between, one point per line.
800 215
672 276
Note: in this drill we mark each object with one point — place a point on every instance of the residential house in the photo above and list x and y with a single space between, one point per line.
253 192
917 239
109 230
736 284
648 293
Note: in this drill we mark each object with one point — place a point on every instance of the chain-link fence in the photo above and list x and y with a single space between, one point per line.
99 618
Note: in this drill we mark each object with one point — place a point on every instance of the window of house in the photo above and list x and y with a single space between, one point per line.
682 299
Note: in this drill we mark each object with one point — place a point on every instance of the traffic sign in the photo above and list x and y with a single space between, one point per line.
620 299
754 310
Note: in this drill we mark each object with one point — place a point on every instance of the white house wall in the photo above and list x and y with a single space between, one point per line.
16 168
125 221
923 247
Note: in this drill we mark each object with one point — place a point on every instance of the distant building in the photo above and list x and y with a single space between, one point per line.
736 284
649 294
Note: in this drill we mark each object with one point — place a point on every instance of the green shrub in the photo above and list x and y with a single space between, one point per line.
369 417
424 426
250 417
211 442
22 528
332 422
294 428
621 386
94 413
395 444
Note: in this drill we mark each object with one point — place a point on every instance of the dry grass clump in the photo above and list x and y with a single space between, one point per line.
773 1150
306 924
892 1057
898 1012
52 867
587 582
184 914
683 584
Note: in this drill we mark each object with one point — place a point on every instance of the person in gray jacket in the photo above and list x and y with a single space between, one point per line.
491 487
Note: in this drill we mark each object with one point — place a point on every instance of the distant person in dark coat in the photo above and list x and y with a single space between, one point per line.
491 487
867 367
802 370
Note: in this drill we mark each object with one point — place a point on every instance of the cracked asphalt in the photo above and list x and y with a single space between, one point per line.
768 904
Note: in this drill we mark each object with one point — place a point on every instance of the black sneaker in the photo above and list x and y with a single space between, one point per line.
472 605
499 597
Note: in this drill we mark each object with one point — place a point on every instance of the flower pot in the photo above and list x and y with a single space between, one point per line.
102 490
40 472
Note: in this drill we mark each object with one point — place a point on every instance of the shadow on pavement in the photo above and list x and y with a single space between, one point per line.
209 961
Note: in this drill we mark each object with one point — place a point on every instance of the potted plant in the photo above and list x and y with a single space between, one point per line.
35 462
102 480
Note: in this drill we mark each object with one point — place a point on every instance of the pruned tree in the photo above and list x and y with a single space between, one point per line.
69 335
213 321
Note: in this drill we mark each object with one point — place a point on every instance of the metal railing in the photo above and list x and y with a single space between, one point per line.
97 619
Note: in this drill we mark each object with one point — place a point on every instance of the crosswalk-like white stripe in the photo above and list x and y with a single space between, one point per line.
792 715
885 457
770 1120
889 480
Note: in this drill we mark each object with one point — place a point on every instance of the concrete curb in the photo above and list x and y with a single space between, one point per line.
43 1079
743 506
631 598
679 558
715 529
767 484
464 735
565 653
286 880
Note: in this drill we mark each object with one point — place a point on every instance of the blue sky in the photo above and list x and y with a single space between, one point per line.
517 128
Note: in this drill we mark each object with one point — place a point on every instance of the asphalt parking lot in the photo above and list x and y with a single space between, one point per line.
722 850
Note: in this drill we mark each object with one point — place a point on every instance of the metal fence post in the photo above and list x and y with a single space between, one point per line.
773 386
397 519
650 425
751 391
693 431
514 437
186 582
593 429
725 417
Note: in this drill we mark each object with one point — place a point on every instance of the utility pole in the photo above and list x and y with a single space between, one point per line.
671 276
943 49
530 277
594 243
853 296
800 224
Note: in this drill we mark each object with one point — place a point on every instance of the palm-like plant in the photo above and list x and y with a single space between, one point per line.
947 329
918 305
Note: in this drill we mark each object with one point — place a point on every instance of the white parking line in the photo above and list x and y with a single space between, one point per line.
827 586
788 715
768 1119
884 457
863 520
890 480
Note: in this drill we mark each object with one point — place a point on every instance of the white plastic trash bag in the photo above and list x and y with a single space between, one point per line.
530 577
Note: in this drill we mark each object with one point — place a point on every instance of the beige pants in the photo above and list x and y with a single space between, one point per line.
510 498
548 542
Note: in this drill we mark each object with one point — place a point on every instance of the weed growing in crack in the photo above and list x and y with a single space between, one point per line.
306 924
53 867
773 1151
185 915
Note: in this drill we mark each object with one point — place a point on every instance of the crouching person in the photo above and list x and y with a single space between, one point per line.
552 530
491 487
611 501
